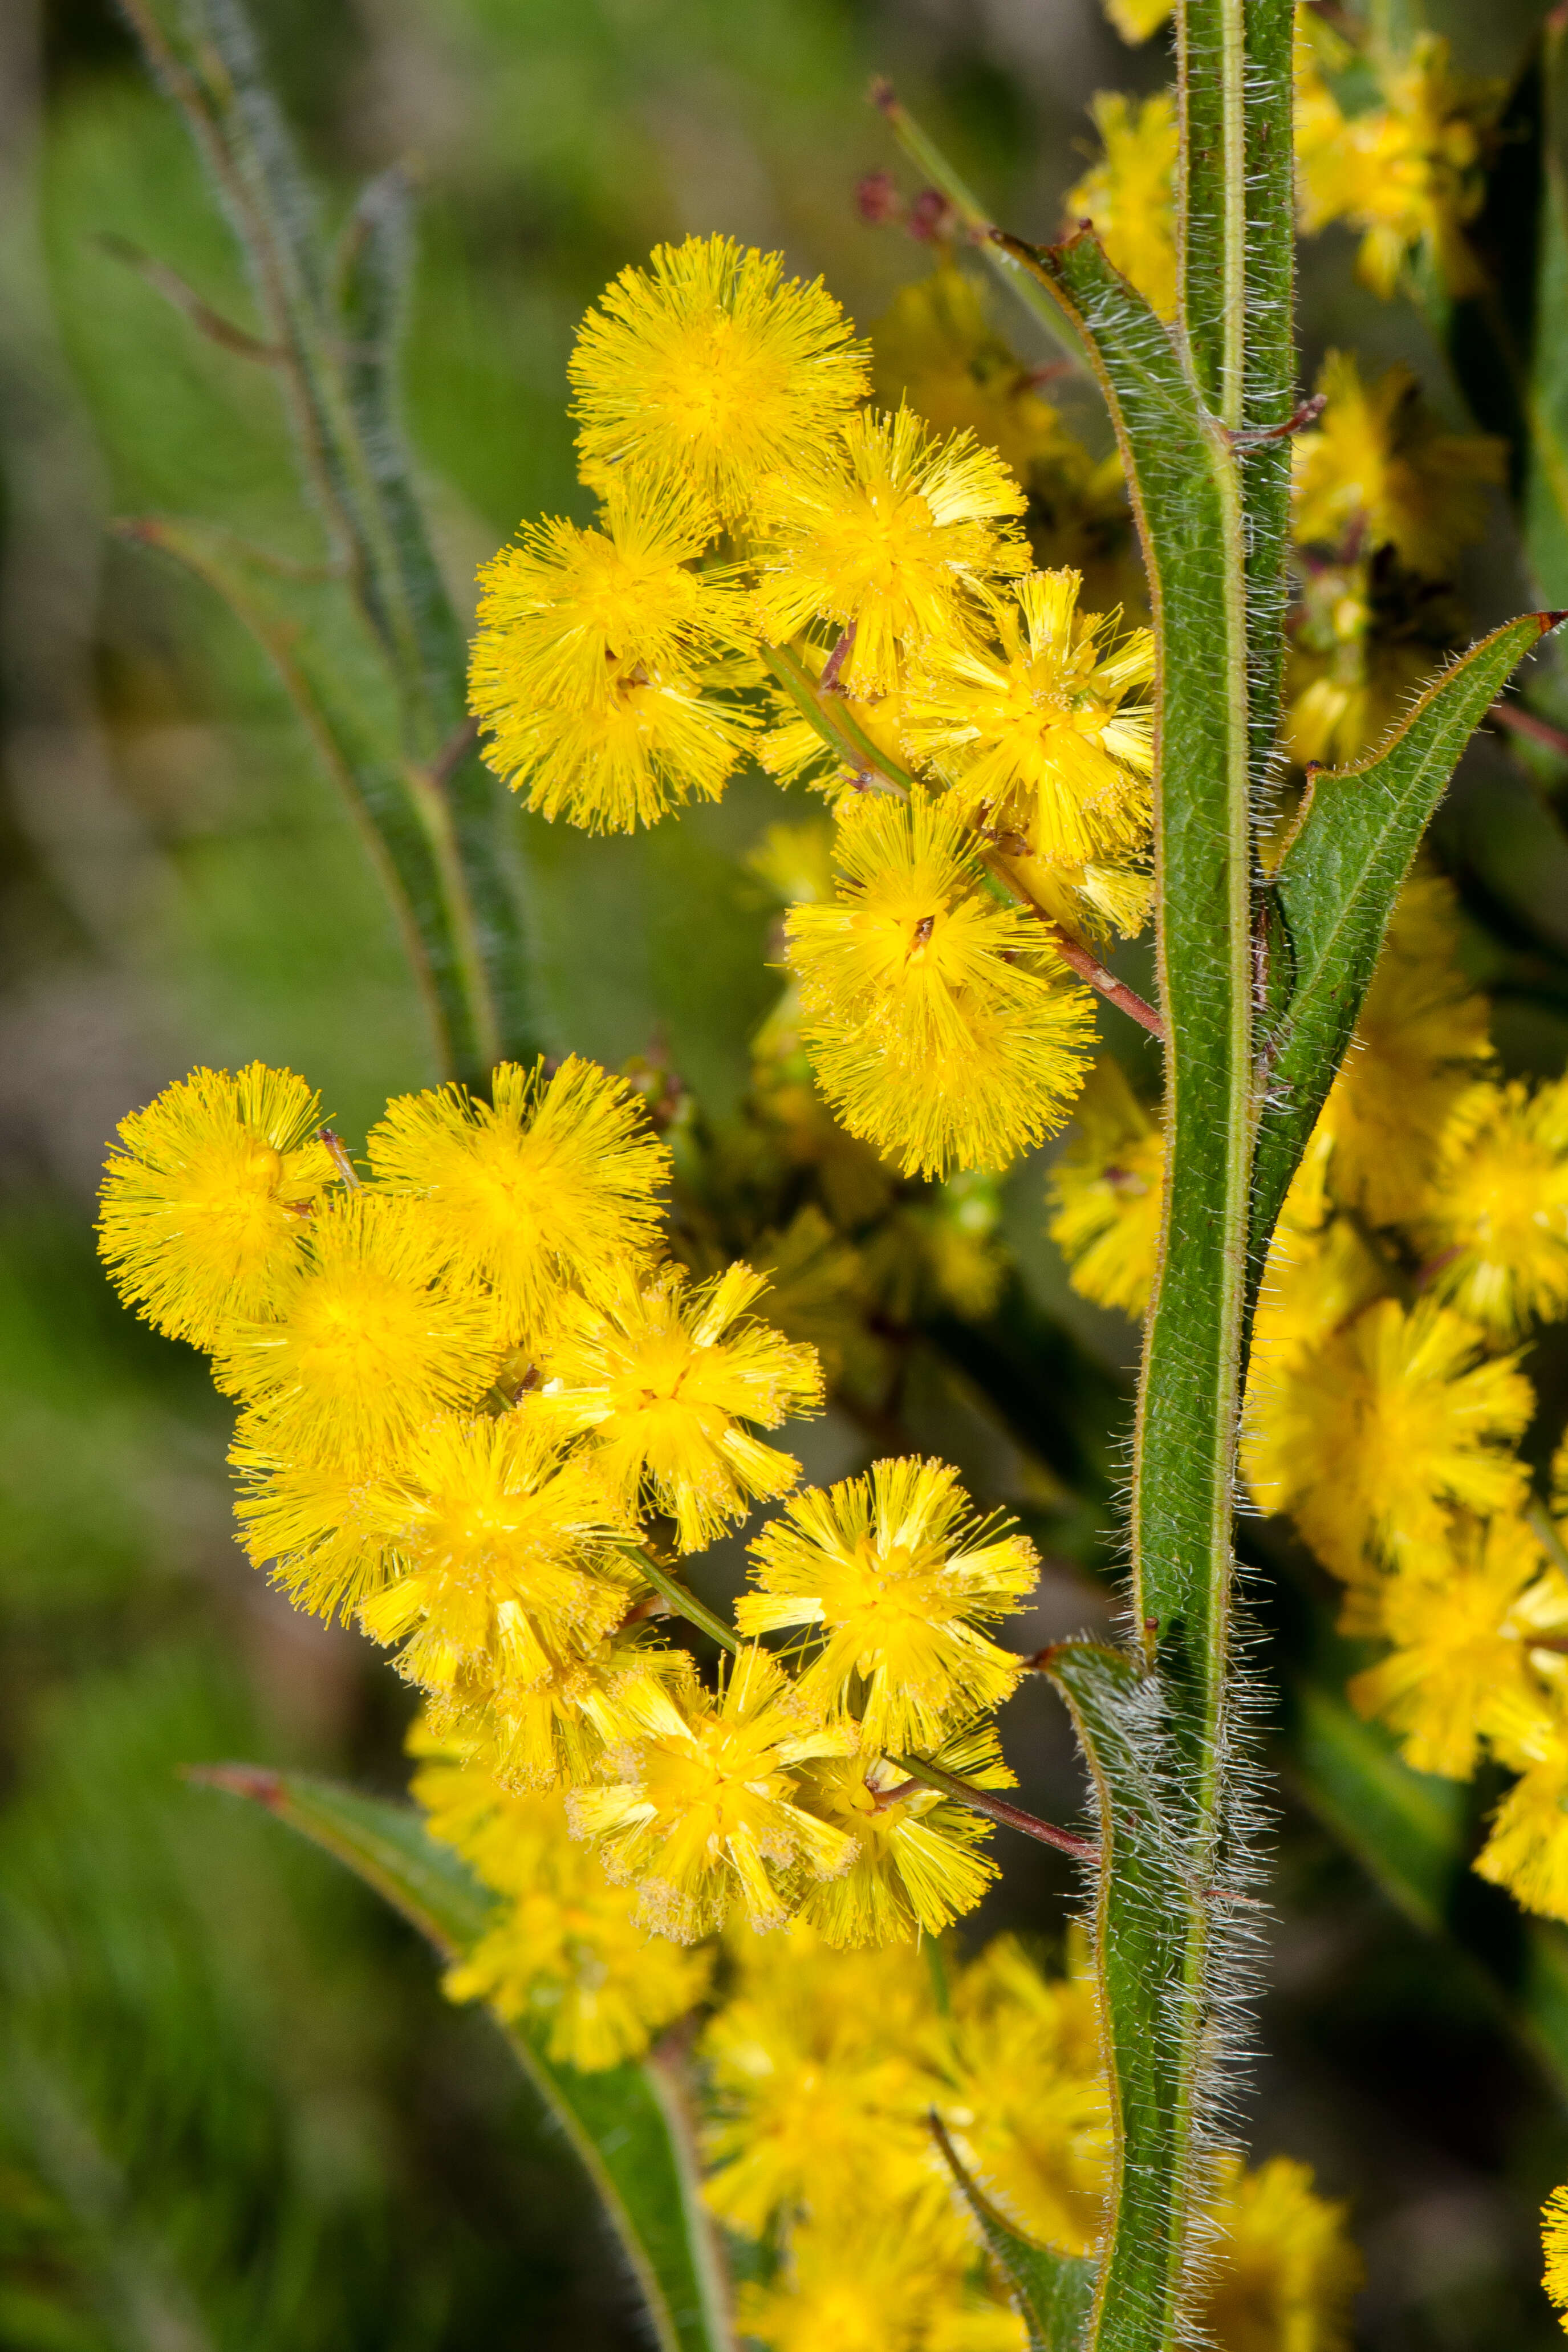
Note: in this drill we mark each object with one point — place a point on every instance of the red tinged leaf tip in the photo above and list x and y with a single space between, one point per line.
1550 620
882 94
251 1781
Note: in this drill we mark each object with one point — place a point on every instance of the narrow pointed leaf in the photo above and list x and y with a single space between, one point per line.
334 674
1337 885
1053 2293
625 2123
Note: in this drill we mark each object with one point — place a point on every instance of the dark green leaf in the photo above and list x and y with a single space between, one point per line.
625 2123
1337 885
1054 2291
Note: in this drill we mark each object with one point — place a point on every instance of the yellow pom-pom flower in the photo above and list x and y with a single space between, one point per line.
1372 1435
823 2071
650 745
1038 731
549 1186
890 2279
1528 1849
206 1204
1379 471
885 535
1462 1622
896 1575
1029 2106
568 613
1554 2246
508 1547
920 1862
709 364
666 1381
1495 1228
1129 195
1422 1031
1106 1192
367 1340
556 1731
564 1958
1407 174
937 1030
1285 2272
702 1811
320 1528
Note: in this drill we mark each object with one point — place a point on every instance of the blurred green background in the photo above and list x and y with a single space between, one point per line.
233 2111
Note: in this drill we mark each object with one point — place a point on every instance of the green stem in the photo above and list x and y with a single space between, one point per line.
685 1603
927 156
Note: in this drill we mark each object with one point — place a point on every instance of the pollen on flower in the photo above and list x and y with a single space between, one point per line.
367 1340
938 1029
921 1860
567 615
206 1203
548 1186
710 363
1037 732
1130 193
562 1954
885 534
700 1811
320 1528
894 1575
670 1383
507 1547
649 745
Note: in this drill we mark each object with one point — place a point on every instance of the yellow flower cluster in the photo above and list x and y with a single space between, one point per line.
824 2069
1406 171
756 517
1384 500
481 1412
1426 1236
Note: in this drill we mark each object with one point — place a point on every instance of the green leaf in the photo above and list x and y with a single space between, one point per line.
339 346
1336 887
626 2123
373 264
336 679
1546 476
1053 2292
1152 1996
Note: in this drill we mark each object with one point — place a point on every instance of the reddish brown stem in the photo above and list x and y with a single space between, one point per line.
1520 721
980 1801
